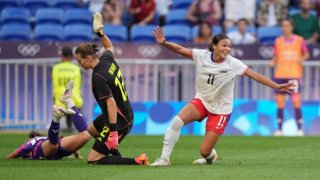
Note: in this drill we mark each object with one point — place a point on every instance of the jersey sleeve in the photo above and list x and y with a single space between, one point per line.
101 85
238 67
197 55
107 54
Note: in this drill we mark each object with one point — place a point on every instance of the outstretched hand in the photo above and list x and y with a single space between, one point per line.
158 34
287 87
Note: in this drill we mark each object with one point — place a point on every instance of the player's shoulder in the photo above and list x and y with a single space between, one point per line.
107 54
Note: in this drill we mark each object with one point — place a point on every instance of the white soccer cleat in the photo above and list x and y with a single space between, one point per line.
59 112
161 162
67 95
207 161
300 133
278 133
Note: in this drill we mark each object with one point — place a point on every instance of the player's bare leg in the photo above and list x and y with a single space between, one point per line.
188 114
50 146
207 150
296 100
280 99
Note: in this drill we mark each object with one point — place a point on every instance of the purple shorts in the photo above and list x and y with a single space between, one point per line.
32 149
296 89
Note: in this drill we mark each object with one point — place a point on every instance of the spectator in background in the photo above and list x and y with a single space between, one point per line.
271 12
62 73
306 23
112 12
234 10
205 10
241 36
143 11
205 34
290 51
162 9
318 8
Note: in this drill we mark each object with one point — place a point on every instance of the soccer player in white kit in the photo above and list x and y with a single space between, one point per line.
215 76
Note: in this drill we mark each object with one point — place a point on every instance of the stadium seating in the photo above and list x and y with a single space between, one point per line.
16 32
9 3
250 29
34 5
48 32
78 16
215 30
66 4
297 11
178 16
142 33
177 33
15 15
49 15
181 4
78 32
116 33
267 35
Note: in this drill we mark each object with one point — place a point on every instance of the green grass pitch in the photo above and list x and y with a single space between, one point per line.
240 158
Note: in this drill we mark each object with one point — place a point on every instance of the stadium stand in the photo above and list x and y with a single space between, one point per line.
177 33
78 32
181 4
16 32
15 15
78 16
34 5
116 33
49 16
267 35
9 3
66 4
142 33
215 30
48 32
178 16
250 29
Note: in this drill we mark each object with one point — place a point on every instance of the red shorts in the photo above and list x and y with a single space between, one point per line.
216 122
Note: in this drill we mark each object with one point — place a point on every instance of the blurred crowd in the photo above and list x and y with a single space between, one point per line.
241 14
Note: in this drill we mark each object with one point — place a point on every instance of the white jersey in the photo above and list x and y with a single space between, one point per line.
215 81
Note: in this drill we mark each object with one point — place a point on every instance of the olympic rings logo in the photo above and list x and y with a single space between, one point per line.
28 49
149 51
266 52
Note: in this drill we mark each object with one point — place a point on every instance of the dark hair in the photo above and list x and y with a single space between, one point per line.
66 52
243 20
289 20
200 27
217 38
86 49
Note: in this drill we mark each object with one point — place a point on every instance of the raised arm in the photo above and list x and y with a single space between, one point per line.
97 27
287 87
159 36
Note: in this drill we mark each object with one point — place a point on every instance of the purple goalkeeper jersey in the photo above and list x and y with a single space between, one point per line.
32 149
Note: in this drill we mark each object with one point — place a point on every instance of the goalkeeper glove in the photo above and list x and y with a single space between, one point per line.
112 142
97 24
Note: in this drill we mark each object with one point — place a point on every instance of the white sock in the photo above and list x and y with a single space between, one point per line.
69 103
210 157
171 137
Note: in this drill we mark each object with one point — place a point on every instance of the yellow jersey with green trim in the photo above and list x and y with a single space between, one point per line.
62 73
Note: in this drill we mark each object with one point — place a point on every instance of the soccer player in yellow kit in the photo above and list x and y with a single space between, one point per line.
62 73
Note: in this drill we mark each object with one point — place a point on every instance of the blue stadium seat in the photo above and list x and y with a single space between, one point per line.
78 16
9 3
66 4
78 32
34 5
49 15
142 33
181 4
48 32
215 30
15 15
250 29
177 33
21 32
267 35
116 33
178 16
297 11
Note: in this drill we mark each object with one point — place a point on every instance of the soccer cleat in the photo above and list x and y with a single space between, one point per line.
207 161
59 112
161 162
300 133
67 95
278 133
142 160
